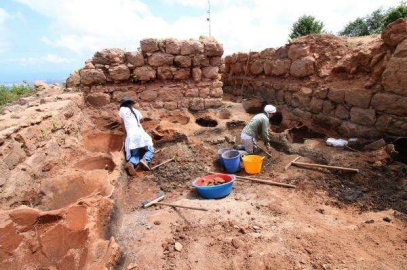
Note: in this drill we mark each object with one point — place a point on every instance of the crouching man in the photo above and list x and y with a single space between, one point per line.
258 128
138 144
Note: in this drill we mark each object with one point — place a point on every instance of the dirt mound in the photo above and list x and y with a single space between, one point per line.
73 237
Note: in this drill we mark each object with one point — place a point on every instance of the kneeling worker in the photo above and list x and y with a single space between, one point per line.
138 144
258 127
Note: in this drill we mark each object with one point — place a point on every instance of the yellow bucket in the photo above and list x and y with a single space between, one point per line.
252 163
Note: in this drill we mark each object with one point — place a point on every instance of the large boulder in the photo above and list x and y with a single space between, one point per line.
135 58
183 61
257 67
197 74
149 45
181 74
395 32
165 73
161 59
302 67
210 72
267 53
191 46
119 73
144 73
200 60
354 130
74 80
366 117
359 98
92 76
98 99
336 95
213 48
394 77
389 103
298 50
280 67
172 46
108 57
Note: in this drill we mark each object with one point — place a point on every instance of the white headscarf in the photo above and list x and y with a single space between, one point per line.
270 109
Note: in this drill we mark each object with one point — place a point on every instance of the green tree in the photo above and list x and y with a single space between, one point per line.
356 28
306 25
395 13
374 21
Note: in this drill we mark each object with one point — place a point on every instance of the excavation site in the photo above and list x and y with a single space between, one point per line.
329 192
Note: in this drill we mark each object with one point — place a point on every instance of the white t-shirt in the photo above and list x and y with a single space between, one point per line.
136 136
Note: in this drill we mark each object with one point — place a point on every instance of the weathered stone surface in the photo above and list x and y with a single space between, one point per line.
159 59
306 91
149 95
189 47
108 57
135 58
210 72
92 76
354 130
213 48
119 73
200 60
341 112
267 67
165 73
366 117
298 50
172 46
182 61
390 124
197 74
144 73
336 95
394 77
257 67
216 61
172 105
216 92
280 67
74 80
204 92
326 121
389 103
213 103
395 32
359 98
299 100
328 107
182 74
316 105
267 53
237 68
321 93
303 67
288 97
98 99
281 53
193 92
4 172
197 104
149 45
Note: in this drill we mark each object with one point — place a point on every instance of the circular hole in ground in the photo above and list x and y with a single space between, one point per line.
96 163
206 122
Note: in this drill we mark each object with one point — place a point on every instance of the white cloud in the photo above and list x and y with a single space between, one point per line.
30 61
85 26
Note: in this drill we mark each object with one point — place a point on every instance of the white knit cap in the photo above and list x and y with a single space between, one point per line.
270 109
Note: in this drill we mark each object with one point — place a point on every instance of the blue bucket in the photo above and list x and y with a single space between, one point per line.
231 159
214 192
220 152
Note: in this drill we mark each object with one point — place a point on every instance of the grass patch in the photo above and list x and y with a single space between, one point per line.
15 92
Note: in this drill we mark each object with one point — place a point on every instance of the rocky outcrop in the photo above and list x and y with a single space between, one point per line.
353 88
180 67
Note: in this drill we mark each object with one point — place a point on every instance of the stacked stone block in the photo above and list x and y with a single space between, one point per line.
166 74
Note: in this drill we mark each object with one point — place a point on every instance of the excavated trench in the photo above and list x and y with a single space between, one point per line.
206 121
103 142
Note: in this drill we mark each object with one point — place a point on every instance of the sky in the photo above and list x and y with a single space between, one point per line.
48 39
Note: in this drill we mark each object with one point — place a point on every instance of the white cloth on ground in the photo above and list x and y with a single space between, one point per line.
136 135
248 142
336 142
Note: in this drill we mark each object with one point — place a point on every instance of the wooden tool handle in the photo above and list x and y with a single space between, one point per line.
165 162
266 182
289 164
181 206
325 166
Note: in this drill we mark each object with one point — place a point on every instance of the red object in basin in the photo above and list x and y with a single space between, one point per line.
228 178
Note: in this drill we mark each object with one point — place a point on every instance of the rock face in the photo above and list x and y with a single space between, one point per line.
303 67
108 57
297 51
119 73
149 45
69 238
160 59
135 58
74 79
92 76
394 78
395 32
144 73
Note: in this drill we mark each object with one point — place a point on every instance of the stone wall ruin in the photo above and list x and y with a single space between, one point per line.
167 74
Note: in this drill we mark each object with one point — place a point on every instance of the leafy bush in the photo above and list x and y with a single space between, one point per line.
375 22
16 91
306 25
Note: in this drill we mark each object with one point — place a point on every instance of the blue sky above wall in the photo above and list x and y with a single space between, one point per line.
47 39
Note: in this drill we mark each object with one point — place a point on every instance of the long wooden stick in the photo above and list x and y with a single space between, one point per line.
165 162
325 166
181 206
261 181
289 164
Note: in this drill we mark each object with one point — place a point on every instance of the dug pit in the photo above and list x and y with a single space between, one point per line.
96 163
103 142
206 121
